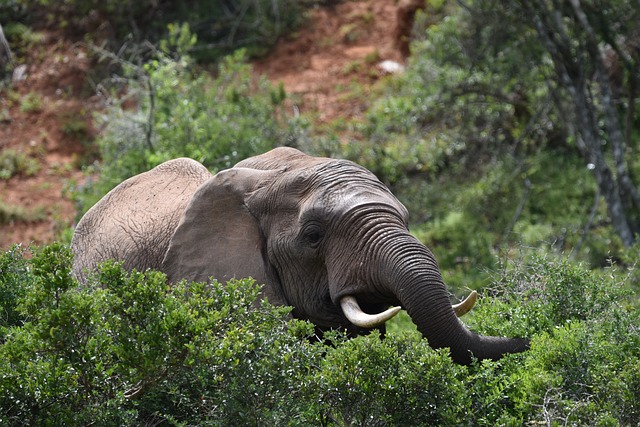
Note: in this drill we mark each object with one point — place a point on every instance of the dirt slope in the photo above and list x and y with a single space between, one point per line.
340 46
337 50
45 118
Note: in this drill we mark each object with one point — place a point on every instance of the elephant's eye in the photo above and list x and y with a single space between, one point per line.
313 235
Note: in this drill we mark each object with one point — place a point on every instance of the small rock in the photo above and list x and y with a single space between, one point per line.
391 67
19 73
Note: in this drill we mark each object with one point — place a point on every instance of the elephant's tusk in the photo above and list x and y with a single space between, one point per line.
466 305
354 313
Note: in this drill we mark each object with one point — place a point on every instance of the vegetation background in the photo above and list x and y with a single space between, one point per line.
512 137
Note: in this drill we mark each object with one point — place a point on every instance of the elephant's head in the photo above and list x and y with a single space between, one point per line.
328 239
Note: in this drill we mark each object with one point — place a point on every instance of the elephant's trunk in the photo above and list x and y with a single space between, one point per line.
416 282
442 328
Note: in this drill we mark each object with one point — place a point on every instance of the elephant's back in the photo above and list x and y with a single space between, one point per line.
134 221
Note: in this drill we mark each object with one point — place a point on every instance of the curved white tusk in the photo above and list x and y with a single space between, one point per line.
354 313
466 305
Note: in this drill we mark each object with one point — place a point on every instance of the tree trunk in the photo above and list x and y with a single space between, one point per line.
628 192
6 57
572 66
590 146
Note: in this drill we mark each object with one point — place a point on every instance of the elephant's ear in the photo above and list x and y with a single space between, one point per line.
217 235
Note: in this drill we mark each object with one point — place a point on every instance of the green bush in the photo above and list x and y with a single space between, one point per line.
128 349
13 162
553 293
391 382
630 259
14 279
584 342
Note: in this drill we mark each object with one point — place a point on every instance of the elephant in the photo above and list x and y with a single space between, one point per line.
322 235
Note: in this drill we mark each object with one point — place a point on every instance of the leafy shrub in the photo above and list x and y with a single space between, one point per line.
555 292
631 259
14 163
31 103
10 213
584 342
569 374
13 286
128 349
395 381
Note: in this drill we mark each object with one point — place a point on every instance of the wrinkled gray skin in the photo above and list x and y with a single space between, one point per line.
311 229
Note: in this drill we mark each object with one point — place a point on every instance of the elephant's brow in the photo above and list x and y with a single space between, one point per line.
342 174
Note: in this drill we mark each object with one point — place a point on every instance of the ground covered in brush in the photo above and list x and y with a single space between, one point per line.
129 350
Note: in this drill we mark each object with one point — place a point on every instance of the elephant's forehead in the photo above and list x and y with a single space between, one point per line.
340 177
337 187
345 199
